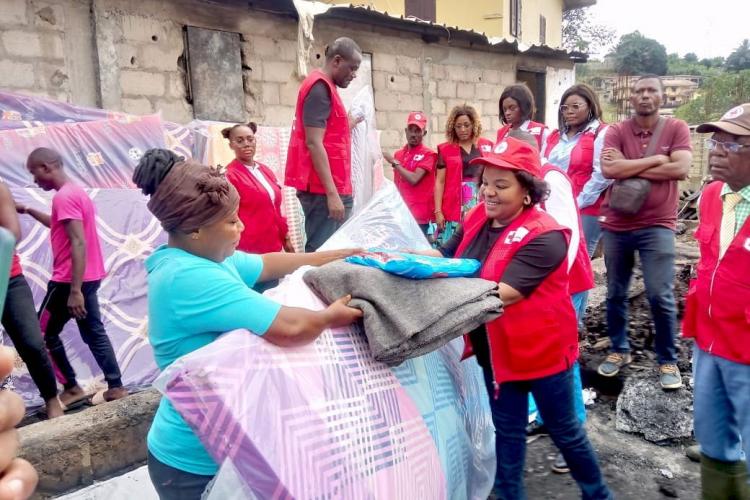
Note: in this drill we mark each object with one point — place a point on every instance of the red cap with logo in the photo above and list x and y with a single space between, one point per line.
417 118
512 154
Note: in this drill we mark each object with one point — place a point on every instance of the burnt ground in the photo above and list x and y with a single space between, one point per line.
633 467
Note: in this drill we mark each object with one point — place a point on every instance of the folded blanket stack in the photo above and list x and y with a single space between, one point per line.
405 318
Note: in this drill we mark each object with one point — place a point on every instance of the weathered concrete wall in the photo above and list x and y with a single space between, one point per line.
46 49
129 56
75 450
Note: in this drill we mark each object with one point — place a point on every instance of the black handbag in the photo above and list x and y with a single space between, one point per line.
627 196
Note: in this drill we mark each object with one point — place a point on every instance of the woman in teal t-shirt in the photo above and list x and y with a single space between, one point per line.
200 287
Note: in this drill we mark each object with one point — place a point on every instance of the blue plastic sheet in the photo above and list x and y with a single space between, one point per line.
414 266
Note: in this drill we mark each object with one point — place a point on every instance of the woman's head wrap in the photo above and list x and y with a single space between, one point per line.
185 195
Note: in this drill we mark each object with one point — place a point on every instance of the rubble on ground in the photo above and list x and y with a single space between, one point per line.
645 408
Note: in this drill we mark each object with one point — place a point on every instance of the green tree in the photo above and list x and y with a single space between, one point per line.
740 58
717 95
716 62
580 33
691 57
636 54
677 65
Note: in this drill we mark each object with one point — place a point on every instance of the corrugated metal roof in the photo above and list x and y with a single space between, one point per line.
432 32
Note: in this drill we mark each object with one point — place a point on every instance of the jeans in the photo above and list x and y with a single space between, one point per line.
318 226
655 246
579 403
721 406
592 232
175 484
22 325
53 316
554 396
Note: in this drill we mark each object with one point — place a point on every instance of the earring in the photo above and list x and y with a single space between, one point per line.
527 200
195 236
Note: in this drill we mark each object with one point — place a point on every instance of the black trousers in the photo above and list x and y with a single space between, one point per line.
53 316
175 484
318 226
22 326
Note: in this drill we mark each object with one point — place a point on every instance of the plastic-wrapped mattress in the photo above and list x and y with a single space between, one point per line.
328 421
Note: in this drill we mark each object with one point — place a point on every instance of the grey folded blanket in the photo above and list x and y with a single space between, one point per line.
406 318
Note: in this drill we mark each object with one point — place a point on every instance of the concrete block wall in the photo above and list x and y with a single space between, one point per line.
410 75
129 56
32 42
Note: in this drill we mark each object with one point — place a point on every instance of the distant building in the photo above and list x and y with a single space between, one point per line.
679 90
531 22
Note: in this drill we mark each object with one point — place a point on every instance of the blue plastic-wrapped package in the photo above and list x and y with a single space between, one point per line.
409 265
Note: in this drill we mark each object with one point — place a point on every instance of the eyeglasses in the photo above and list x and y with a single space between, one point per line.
573 107
242 140
732 147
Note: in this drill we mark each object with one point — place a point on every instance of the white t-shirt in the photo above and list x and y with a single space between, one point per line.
561 206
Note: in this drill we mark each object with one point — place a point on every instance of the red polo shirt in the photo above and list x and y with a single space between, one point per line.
660 207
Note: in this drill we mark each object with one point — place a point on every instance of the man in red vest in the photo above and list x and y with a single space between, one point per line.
414 170
318 163
717 310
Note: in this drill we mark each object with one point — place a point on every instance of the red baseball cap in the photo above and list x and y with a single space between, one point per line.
417 118
512 154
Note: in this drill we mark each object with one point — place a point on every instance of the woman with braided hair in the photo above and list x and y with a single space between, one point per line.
199 287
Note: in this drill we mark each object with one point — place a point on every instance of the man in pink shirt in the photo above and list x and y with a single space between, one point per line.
77 271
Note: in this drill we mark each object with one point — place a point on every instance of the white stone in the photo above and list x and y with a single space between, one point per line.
25 44
13 12
16 74
136 83
138 106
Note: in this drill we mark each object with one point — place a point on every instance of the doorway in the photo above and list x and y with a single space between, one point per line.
535 80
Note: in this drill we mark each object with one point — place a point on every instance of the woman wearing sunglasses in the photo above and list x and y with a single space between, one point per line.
575 147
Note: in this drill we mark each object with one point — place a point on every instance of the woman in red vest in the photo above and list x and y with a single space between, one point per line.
516 109
260 195
531 348
575 148
456 189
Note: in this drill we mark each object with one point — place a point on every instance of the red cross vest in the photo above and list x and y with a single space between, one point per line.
420 198
450 152
581 273
300 173
581 165
265 228
535 128
717 306
538 335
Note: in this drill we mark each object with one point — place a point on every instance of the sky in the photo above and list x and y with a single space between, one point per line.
707 28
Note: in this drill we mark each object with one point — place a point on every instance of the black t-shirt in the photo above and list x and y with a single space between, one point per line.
317 106
469 171
525 272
